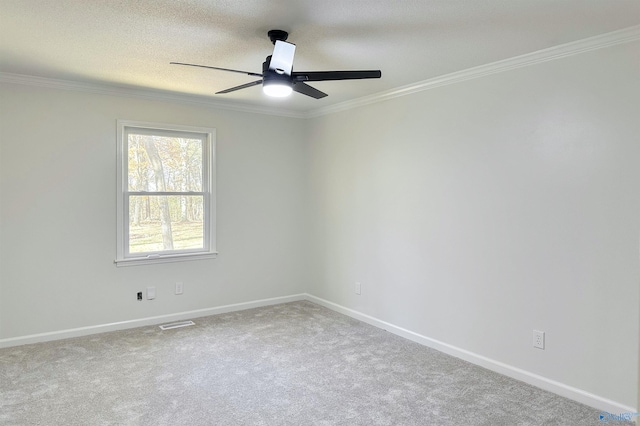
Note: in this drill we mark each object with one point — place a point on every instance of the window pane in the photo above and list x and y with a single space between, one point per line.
160 223
163 163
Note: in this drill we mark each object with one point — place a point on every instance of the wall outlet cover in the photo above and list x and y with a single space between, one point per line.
151 293
538 339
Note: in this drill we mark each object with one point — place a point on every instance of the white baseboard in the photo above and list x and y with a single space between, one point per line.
160 319
558 388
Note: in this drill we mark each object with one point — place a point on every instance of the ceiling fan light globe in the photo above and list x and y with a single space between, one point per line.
277 90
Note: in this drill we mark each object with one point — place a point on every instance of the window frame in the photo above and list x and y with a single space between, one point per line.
208 135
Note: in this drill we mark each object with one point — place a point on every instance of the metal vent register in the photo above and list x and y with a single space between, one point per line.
177 325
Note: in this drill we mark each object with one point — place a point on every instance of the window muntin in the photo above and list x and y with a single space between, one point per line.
166 201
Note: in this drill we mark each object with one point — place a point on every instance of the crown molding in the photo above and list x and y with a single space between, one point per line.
141 93
622 36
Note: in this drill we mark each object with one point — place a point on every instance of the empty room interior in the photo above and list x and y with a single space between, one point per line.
440 224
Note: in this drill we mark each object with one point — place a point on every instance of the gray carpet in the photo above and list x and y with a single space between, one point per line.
290 364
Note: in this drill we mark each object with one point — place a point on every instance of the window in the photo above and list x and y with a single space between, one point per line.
166 193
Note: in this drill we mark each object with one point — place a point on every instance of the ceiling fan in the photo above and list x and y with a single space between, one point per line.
277 77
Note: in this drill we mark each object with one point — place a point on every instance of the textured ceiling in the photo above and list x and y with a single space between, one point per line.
130 43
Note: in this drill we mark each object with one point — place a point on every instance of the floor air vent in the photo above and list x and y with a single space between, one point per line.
177 325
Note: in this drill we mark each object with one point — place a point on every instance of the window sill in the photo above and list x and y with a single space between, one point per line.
164 259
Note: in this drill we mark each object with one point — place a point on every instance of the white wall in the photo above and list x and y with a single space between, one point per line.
471 214
58 209
477 212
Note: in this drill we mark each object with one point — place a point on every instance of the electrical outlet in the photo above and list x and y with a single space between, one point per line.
179 287
358 288
139 295
538 339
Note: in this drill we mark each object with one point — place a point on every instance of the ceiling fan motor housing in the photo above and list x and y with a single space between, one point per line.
272 77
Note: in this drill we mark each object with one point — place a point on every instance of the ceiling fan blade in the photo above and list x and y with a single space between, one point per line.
216 68
334 75
282 57
305 89
242 86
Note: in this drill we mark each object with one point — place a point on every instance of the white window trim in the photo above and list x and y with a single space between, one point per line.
209 156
